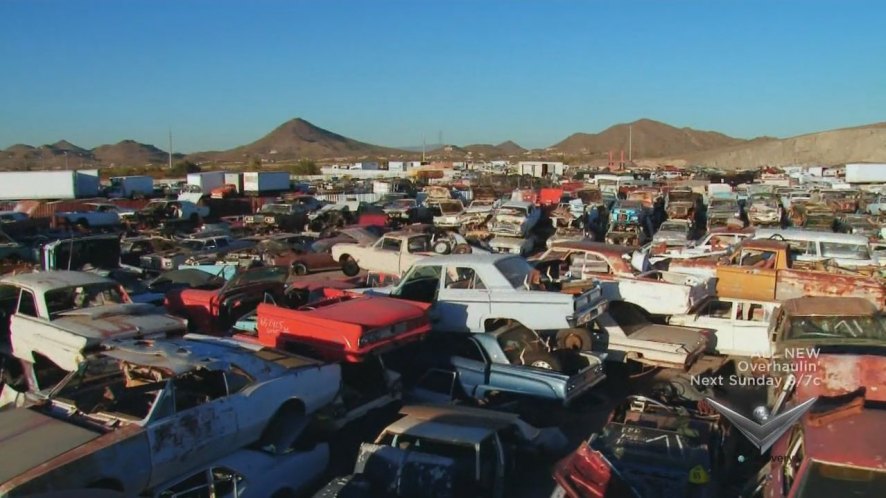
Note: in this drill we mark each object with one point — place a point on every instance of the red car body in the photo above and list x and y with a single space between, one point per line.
344 326
214 311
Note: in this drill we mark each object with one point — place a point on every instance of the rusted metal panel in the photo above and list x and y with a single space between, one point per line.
793 283
839 374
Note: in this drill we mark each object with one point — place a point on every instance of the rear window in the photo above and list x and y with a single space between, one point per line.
516 270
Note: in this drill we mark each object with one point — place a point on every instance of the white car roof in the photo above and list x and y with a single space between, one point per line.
41 282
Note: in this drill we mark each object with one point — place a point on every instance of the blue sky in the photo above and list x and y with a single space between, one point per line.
223 73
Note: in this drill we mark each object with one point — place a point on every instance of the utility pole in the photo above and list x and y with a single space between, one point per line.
170 147
424 145
630 143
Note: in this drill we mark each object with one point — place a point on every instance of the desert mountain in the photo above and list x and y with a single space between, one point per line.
130 153
650 139
298 139
858 144
487 151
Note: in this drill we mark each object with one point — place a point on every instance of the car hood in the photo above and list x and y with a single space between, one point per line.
119 321
31 438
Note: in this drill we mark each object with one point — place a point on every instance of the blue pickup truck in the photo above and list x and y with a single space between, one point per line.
510 360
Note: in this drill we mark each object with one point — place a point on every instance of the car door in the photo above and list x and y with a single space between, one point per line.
385 256
750 335
195 421
469 362
463 300
719 314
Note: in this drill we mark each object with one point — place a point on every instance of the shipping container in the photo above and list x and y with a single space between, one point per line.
205 182
130 186
265 182
866 173
45 185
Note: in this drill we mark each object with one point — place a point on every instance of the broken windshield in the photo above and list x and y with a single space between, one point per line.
837 327
106 385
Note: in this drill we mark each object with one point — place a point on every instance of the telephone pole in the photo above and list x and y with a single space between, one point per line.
170 147
630 143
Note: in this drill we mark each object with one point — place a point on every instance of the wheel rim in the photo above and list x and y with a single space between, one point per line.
573 341
542 364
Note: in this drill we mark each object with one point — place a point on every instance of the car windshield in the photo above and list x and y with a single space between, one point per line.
838 327
78 297
194 245
824 480
483 203
275 208
155 205
450 207
403 203
105 385
515 270
845 251
722 204
519 343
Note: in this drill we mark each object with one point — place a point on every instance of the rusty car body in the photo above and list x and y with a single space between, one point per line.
140 412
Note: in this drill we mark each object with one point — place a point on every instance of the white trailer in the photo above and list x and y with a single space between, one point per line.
131 186
46 185
235 179
866 173
205 182
265 182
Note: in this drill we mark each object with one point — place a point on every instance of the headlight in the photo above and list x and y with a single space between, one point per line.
167 264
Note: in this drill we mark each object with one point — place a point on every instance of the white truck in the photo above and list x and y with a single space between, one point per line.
98 215
44 185
130 186
206 181
392 254
265 182
57 317
741 325
866 172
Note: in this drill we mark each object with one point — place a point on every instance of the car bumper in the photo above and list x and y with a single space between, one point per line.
584 316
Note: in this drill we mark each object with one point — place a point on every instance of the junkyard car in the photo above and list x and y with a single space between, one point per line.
250 473
673 233
194 250
474 292
515 219
647 449
623 275
393 253
444 452
139 413
859 224
741 325
627 224
511 360
450 211
285 216
765 210
99 215
215 310
159 210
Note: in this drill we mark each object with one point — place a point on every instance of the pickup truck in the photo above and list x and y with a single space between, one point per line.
393 253
515 219
623 275
450 211
56 318
765 270
509 361
98 215
165 211
475 292
140 412
284 216
764 210
444 452
628 224
741 325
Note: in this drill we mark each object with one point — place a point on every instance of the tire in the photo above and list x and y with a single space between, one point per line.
441 247
299 269
349 266
543 360
462 249
284 428
576 339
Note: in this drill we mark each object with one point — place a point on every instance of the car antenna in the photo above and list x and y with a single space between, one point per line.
71 253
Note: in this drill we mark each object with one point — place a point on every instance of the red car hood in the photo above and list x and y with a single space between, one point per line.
837 374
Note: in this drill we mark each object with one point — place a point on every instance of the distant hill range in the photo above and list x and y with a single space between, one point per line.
652 142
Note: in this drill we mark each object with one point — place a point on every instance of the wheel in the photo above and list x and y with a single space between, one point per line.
577 339
543 360
299 269
349 266
441 247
